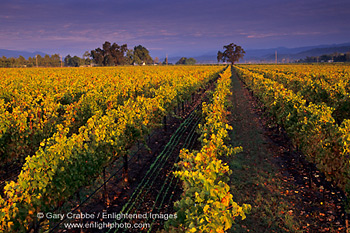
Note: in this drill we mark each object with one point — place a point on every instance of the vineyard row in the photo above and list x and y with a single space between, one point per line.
310 125
207 204
67 161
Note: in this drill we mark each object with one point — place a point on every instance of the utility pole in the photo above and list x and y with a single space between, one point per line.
276 57
61 61
36 59
166 59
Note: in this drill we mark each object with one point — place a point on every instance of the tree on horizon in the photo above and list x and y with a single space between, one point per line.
186 61
141 55
109 55
232 53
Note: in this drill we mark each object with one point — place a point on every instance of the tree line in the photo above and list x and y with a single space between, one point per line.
54 60
115 55
108 55
46 61
186 61
335 57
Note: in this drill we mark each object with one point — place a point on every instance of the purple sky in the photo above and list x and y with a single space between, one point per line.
182 27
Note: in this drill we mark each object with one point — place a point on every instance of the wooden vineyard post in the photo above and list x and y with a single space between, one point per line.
36 226
310 178
138 150
125 167
164 123
347 213
105 193
79 211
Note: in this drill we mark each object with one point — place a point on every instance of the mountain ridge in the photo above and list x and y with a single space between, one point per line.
290 54
252 55
16 53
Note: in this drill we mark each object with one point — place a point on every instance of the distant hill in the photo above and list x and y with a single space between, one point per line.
308 53
292 54
283 53
16 53
322 51
252 55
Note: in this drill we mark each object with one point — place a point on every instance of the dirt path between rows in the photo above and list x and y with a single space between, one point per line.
287 193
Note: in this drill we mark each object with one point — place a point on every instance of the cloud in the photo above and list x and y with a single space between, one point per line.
167 33
188 24
281 34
